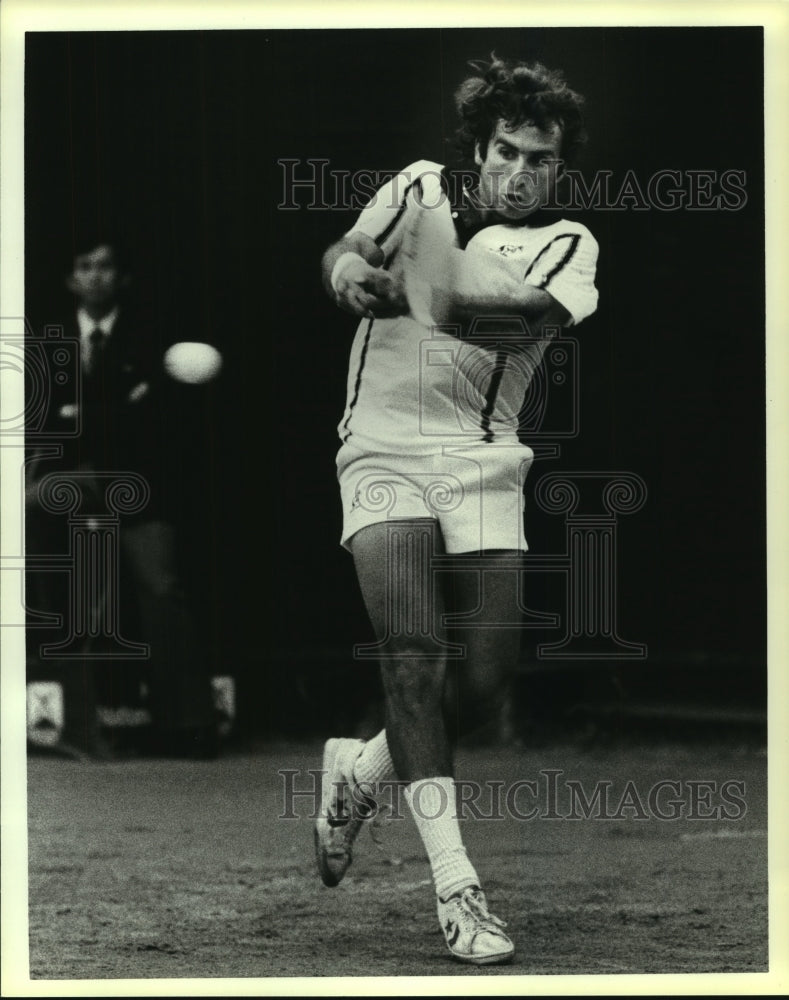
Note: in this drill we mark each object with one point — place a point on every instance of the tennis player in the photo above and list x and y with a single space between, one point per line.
430 445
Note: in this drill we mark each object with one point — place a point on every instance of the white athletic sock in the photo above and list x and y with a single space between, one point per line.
432 804
374 763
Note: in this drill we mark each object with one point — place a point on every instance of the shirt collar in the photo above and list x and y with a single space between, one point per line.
88 325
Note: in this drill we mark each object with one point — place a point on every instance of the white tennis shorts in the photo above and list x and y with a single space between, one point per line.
475 493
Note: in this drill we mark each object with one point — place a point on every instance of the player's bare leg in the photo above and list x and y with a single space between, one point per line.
414 672
478 684
413 744
475 696
414 669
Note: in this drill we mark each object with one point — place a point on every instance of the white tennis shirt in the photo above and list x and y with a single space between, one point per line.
419 386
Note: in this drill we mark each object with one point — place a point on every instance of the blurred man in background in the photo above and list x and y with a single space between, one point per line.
127 424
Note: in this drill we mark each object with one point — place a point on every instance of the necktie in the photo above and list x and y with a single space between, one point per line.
95 347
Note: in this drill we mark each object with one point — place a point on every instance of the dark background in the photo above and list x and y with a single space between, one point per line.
177 137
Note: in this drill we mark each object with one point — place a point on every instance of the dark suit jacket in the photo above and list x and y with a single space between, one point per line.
128 420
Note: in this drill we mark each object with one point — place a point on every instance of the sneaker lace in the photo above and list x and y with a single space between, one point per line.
338 814
347 808
475 905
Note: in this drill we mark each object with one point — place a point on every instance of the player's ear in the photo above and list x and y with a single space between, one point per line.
71 282
477 155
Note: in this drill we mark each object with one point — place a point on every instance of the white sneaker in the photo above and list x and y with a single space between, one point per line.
472 933
343 810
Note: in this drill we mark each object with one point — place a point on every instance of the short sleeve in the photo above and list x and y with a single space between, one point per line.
380 218
566 269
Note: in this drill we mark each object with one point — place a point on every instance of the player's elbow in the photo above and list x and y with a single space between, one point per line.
542 309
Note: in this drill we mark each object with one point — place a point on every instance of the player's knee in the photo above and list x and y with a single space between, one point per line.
411 683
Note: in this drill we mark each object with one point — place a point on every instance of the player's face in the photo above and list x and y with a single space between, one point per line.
519 171
95 278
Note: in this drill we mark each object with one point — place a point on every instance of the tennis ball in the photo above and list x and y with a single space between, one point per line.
192 362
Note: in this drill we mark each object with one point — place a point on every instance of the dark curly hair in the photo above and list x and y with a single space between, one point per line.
516 93
87 237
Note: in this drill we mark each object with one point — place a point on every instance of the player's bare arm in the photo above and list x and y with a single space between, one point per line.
536 306
354 279
469 293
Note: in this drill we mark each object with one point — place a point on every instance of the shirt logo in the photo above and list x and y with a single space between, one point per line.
508 249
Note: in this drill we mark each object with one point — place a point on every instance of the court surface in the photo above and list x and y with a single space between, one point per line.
167 869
